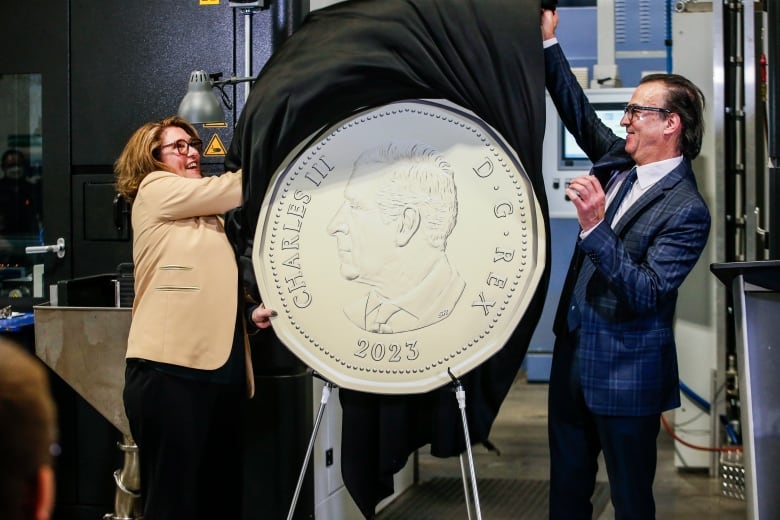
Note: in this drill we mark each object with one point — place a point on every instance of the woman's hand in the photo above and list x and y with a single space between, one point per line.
261 316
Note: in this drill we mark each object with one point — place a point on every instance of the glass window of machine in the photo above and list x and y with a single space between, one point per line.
21 210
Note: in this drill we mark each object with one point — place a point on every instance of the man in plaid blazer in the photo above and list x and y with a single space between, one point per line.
614 363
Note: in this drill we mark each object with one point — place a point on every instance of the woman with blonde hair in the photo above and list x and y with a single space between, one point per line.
188 365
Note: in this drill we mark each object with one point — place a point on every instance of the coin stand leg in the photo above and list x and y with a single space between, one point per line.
460 395
465 479
323 401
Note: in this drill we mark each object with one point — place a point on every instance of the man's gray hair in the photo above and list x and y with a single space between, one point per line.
420 178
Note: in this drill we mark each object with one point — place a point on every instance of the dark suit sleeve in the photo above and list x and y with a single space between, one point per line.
645 276
575 110
484 55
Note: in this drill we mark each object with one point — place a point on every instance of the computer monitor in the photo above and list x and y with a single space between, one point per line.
563 159
571 156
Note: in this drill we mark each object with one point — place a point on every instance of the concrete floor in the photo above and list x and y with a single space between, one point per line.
520 434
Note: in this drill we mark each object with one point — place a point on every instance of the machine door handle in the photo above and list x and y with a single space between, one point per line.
58 248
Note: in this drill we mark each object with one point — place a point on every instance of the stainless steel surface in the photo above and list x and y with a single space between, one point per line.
456 275
732 475
86 347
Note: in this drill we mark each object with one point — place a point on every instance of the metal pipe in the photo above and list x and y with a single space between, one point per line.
323 402
127 500
460 396
248 12
465 480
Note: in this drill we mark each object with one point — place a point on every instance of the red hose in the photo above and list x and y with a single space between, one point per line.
669 430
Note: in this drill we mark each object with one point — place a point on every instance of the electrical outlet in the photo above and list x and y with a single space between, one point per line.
329 457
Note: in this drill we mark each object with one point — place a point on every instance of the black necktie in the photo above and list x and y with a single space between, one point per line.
587 268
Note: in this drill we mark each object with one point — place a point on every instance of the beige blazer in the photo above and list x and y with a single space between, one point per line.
185 272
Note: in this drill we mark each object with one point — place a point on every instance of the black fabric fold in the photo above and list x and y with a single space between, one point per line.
484 55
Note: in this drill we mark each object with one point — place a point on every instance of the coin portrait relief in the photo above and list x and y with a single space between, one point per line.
398 245
400 206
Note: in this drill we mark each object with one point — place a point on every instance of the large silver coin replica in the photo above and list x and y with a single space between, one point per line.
398 245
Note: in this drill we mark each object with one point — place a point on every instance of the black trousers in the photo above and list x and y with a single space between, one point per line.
188 434
577 436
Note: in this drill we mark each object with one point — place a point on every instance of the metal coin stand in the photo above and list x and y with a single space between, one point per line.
323 401
460 395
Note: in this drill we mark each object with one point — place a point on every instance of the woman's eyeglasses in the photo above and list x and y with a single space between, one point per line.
182 147
632 111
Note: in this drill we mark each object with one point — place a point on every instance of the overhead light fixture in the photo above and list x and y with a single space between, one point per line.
200 104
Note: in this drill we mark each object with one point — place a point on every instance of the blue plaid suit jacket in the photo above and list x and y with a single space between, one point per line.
627 355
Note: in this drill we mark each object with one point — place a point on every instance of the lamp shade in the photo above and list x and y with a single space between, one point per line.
200 105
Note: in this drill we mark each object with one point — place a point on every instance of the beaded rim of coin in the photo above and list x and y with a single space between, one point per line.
310 337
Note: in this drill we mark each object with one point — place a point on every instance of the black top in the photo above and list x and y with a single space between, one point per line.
764 273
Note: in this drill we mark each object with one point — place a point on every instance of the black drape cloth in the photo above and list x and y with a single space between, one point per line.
484 55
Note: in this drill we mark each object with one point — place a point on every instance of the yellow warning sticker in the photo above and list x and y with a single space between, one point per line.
215 147
209 2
